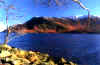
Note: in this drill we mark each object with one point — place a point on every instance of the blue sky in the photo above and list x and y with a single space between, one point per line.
27 9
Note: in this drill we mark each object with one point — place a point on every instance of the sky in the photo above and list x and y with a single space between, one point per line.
25 10
2 26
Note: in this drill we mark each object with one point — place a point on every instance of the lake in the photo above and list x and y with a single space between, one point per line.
83 47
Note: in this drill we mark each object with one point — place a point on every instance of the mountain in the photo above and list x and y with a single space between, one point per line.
59 25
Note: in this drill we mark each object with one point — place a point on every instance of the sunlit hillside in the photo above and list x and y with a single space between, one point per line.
81 24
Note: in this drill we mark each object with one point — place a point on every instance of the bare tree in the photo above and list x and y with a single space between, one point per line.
7 9
82 6
61 2
8 12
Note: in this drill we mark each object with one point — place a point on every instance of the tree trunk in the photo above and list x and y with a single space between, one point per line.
89 19
6 39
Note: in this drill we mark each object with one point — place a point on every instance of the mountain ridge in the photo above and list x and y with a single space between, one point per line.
59 25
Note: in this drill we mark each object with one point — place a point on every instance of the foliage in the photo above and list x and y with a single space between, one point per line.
15 56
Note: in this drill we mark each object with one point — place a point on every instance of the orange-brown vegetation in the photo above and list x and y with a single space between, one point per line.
56 25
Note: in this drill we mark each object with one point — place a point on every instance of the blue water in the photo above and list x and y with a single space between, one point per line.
85 47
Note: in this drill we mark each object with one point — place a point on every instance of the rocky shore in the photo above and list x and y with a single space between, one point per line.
15 56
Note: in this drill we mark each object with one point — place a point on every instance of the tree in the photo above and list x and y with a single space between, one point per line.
9 10
61 2
82 6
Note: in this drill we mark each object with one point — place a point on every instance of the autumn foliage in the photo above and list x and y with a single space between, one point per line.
57 25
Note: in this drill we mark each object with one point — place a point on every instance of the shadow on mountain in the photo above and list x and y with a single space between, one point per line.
59 25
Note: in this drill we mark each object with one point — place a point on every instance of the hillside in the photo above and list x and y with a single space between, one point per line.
59 25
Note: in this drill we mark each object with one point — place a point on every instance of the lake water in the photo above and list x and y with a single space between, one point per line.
83 47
